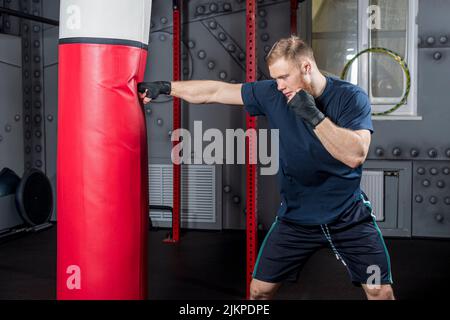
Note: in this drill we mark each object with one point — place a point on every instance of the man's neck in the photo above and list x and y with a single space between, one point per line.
318 85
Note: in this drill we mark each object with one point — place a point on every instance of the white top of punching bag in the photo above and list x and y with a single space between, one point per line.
106 19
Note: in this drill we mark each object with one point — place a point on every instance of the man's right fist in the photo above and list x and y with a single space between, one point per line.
153 89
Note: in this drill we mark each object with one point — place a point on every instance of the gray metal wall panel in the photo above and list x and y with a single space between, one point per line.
11 124
431 199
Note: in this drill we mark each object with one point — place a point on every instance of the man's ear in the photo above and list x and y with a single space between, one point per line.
307 67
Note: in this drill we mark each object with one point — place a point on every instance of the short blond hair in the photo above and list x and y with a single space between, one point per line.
291 49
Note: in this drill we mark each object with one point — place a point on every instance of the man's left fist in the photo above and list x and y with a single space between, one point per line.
304 106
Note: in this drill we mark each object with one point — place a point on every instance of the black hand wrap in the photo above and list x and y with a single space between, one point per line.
304 106
155 88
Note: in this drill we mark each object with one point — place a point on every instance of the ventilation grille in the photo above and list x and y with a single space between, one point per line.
198 193
372 183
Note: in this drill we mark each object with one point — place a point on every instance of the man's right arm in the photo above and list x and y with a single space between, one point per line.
204 91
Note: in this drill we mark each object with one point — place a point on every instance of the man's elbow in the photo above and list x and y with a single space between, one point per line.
356 162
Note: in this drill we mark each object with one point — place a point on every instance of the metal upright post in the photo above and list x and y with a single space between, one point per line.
176 214
251 192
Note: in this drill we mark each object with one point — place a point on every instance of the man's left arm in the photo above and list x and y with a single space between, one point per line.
348 146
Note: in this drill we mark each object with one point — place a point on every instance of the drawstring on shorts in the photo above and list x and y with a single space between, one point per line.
327 234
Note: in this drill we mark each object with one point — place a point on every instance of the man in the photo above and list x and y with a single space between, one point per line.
325 131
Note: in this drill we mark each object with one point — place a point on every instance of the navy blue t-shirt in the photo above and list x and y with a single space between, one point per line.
315 188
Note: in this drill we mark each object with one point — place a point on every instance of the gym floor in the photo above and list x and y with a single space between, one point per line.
211 265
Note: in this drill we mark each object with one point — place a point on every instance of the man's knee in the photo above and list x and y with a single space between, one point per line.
260 290
383 292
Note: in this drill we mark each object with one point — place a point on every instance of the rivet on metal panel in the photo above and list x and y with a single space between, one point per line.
418 198
414 152
200 10
433 200
426 183
397 152
432 153
379 152
231 47
201 54
437 55
212 24
439 218
440 184
213 7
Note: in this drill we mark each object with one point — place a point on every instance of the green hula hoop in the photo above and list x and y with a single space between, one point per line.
399 60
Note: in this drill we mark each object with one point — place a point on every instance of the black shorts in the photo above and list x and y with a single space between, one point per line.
354 238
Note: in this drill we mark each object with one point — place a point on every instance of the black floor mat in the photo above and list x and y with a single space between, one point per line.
211 265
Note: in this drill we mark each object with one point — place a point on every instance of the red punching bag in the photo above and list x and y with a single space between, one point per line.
102 189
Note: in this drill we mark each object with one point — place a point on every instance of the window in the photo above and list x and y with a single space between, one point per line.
343 28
